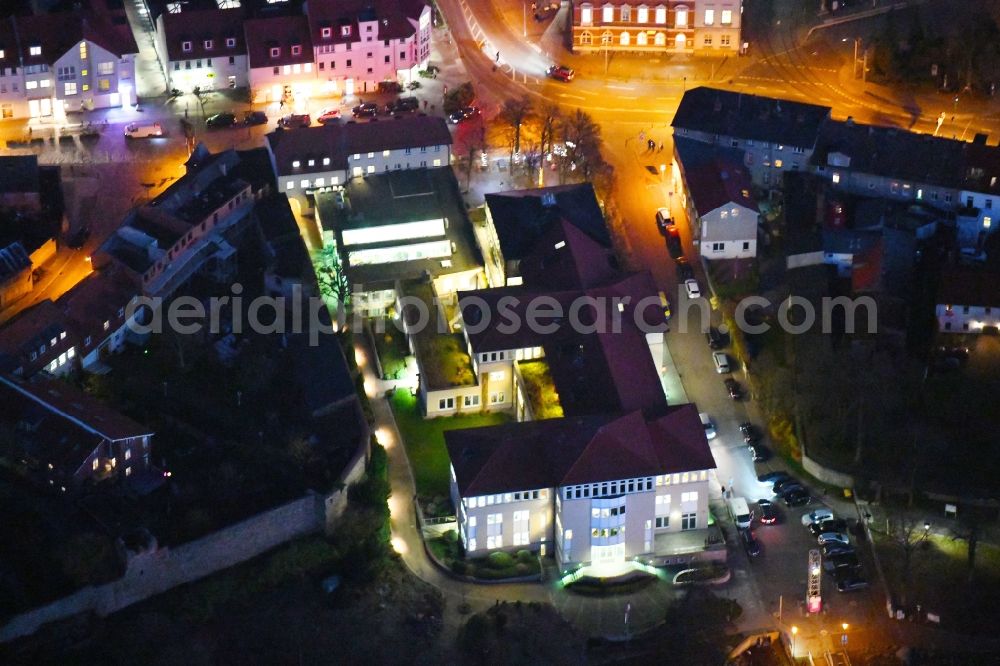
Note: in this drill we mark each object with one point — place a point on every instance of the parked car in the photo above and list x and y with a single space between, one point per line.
851 582
330 115
715 340
768 512
750 543
706 422
221 120
733 388
546 11
692 288
295 120
817 516
254 118
841 561
784 484
663 220
832 549
684 270
560 73
674 246
759 452
787 488
831 537
365 110
721 361
833 525
796 498
463 114
752 435
403 105
771 478
143 130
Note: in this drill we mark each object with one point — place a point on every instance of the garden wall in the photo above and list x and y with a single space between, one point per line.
158 569
826 474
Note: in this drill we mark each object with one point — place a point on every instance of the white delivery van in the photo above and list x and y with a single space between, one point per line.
143 130
740 512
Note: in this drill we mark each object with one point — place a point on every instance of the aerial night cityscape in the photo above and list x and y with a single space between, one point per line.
500 332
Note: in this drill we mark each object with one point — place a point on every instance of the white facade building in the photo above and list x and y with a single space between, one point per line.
202 49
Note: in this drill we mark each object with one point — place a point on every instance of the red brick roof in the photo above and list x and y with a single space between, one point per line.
196 27
281 32
567 451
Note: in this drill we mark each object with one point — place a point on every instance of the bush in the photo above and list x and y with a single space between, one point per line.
525 556
459 567
451 536
522 569
500 560
459 97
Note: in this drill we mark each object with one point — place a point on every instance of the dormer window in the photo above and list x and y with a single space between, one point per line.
209 44
185 46
35 50
326 33
296 50
345 31
230 42
296 164
368 28
2 55
275 51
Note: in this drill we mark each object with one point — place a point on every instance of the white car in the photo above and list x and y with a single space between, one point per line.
833 537
692 288
142 131
817 516
706 421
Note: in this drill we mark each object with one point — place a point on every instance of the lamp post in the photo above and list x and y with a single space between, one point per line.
843 637
524 16
795 630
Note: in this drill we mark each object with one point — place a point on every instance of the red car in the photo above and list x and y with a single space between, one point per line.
560 73
328 116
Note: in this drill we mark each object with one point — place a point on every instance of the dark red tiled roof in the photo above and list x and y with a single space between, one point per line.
31 330
715 176
95 300
197 27
968 286
567 451
56 34
77 407
281 32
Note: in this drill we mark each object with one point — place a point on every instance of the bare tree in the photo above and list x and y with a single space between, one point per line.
972 521
514 113
583 145
470 142
907 534
549 118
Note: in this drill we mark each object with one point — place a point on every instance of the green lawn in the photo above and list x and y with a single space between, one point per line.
424 440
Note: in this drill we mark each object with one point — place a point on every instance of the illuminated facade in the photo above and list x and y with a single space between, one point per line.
686 26
280 57
41 77
203 49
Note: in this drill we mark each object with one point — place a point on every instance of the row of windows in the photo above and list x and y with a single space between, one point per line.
608 488
642 15
209 44
906 189
684 477
208 63
504 498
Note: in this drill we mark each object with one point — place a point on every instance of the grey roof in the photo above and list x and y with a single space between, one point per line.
13 260
521 217
725 113
338 141
397 197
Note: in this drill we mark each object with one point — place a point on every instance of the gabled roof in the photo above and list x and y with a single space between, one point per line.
575 450
197 27
18 173
724 113
56 34
894 153
337 142
967 286
566 258
715 176
281 32
522 216
77 407
97 299
29 331
397 19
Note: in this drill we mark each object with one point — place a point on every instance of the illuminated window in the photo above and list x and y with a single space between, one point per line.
287 69
777 164
69 88
326 161
290 185
608 14
709 17
105 68
987 222
586 15
681 18
320 182
35 50
345 31
836 178
83 50
296 164
385 153
727 17
30 85
312 163
304 183
308 67
661 15
642 15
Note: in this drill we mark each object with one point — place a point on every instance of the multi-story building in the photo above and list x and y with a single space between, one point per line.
361 43
202 49
686 26
51 64
716 191
313 158
66 438
968 301
588 489
280 58
774 135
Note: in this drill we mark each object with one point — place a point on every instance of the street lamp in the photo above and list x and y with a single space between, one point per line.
795 630
843 638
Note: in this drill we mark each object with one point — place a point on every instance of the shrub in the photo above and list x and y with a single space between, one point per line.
460 567
451 536
525 556
522 569
500 560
